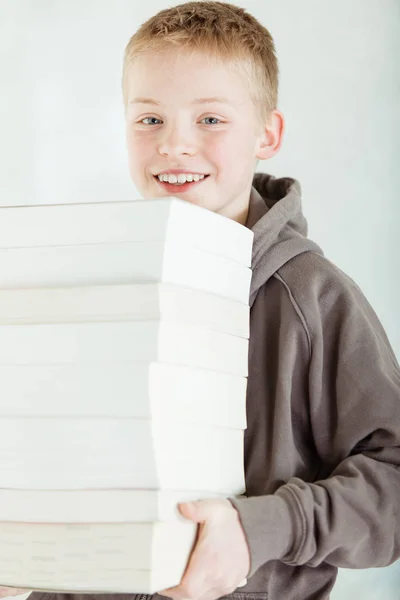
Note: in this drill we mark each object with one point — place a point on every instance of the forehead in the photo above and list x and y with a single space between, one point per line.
172 77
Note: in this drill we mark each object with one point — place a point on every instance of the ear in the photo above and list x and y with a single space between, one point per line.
271 139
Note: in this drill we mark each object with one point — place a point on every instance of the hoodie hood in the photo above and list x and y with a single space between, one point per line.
280 229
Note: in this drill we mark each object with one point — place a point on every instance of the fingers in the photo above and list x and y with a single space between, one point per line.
12 591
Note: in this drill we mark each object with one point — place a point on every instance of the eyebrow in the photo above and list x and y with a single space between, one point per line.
218 99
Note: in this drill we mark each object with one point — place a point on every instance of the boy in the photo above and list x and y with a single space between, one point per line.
322 452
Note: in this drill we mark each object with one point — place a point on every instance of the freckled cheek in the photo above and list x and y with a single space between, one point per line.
226 163
215 156
141 157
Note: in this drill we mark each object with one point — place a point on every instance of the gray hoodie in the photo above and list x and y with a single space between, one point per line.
322 445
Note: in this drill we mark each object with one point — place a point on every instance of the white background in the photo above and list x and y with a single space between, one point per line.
62 133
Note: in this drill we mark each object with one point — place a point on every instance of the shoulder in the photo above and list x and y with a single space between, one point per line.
312 271
312 278
325 295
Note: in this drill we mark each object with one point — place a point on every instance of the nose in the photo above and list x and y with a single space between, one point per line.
177 140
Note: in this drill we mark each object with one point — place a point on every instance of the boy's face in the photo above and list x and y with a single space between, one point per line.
221 140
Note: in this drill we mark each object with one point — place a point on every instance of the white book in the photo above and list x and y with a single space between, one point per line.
125 263
124 390
95 558
166 219
151 301
76 453
95 506
149 341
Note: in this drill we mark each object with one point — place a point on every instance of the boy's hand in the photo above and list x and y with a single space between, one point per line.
11 591
220 560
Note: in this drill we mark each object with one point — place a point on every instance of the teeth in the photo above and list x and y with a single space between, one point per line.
181 178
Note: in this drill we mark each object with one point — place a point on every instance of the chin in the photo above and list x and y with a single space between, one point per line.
198 202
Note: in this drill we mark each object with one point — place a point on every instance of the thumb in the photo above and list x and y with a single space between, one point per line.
197 511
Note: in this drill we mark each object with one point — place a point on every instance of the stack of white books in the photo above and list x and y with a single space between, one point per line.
124 332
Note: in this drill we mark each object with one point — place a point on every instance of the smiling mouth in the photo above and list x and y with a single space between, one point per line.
180 185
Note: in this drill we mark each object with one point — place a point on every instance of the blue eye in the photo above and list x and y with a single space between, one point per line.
155 118
215 119
149 118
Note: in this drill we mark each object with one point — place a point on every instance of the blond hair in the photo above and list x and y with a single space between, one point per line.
225 33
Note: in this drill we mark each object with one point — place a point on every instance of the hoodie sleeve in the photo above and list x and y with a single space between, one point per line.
350 516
